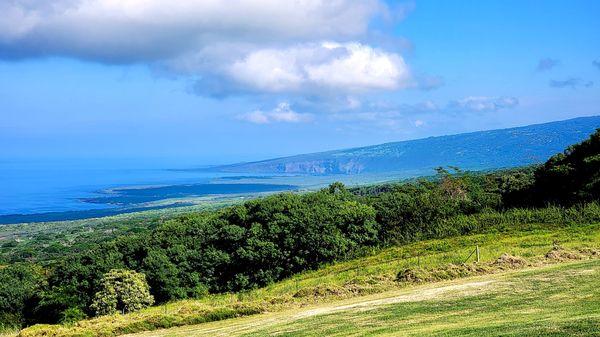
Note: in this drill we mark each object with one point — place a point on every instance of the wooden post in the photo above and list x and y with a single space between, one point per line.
477 249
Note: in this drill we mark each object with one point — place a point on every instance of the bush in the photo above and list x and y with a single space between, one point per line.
122 291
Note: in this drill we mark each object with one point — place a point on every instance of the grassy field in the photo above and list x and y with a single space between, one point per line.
552 300
422 262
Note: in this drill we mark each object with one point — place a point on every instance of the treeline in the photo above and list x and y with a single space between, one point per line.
265 240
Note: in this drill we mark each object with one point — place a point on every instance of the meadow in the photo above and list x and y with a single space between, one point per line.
514 303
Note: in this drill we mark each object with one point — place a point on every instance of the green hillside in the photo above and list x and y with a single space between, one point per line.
558 300
432 263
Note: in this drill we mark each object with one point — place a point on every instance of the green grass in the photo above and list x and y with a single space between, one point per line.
436 259
561 300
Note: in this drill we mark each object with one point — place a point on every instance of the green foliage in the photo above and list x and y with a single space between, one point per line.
411 211
20 285
122 291
571 177
71 316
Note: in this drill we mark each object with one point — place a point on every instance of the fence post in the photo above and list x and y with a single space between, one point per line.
477 249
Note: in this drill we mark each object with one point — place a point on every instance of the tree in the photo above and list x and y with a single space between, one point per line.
572 176
20 284
122 290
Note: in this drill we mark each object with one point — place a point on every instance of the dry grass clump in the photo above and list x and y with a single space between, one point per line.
558 253
348 289
504 262
507 261
320 291
452 271
447 272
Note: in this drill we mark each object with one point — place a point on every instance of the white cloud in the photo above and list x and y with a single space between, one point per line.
483 103
348 67
256 117
282 113
231 46
360 67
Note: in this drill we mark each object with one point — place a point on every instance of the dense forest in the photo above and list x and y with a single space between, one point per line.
268 239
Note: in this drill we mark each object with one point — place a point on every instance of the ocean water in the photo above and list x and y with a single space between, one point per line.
41 187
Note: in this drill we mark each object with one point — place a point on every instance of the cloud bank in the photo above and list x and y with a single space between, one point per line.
229 46
141 30
483 104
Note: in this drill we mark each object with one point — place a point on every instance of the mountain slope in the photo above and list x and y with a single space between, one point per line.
476 150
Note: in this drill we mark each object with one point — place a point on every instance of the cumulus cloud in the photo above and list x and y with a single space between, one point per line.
483 103
349 67
573 83
282 113
250 46
547 64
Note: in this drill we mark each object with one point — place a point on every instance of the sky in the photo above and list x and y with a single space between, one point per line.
185 83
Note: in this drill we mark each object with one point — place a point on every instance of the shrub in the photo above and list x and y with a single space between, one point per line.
72 315
122 291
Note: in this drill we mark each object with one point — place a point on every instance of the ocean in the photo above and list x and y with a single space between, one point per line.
34 187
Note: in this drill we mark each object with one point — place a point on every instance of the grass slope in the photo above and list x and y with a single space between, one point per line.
426 261
553 300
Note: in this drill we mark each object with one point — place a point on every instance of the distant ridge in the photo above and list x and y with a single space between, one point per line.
474 151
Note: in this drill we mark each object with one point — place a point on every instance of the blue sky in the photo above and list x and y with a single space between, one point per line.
206 82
